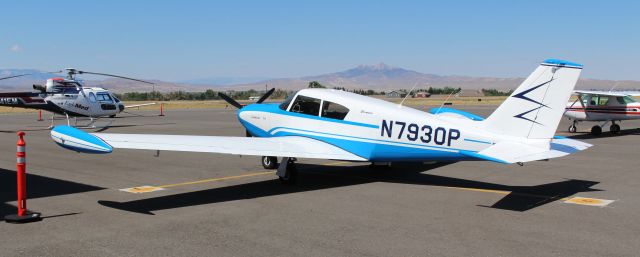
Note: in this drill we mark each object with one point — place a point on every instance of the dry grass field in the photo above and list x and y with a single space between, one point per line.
219 104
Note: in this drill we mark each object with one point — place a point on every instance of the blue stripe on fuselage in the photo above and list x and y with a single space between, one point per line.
381 150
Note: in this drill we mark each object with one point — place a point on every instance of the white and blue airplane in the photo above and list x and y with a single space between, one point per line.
337 125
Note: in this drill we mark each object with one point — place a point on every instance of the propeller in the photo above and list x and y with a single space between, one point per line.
266 95
230 100
28 74
239 105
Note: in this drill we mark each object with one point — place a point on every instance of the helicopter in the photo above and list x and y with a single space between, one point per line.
69 97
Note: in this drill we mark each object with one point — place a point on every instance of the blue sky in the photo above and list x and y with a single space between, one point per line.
179 40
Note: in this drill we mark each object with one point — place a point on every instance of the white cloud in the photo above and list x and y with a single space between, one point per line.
15 48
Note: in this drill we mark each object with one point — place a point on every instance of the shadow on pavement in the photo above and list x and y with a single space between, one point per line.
37 187
317 177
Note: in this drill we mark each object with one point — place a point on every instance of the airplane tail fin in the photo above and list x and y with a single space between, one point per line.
535 108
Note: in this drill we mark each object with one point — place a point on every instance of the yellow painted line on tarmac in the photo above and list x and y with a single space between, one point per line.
148 189
218 179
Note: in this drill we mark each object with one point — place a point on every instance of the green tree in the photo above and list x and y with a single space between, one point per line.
316 84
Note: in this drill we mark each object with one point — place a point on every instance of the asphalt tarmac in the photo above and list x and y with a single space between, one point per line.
220 205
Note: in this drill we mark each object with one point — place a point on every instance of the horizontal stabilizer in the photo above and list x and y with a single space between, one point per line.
450 112
503 152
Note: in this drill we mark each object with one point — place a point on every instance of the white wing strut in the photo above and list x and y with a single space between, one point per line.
293 146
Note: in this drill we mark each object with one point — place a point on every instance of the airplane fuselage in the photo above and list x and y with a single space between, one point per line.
615 112
373 129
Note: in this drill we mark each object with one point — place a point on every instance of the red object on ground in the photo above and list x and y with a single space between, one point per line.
40 115
23 215
21 156
161 109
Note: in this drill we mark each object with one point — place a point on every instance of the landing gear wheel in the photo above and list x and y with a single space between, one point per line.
573 129
290 176
270 162
287 171
112 116
596 130
614 128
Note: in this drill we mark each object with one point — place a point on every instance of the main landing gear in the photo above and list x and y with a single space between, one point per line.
270 162
614 128
287 171
597 129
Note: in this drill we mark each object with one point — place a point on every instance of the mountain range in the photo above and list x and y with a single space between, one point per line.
378 77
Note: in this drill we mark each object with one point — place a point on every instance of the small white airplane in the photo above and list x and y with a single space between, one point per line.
69 97
333 124
605 107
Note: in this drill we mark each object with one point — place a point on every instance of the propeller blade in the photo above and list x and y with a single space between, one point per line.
111 75
266 95
28 74
230 100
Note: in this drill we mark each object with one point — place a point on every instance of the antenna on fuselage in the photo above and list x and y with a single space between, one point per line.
405 97
445 101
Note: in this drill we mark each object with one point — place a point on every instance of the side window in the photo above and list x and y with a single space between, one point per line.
603 100
334 110
92 97
306 105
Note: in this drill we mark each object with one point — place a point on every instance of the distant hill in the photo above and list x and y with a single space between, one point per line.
386 77
378 77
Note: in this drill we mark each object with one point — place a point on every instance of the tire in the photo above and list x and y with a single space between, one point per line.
292 175
112 116
596 130
614 128
573 129
269 162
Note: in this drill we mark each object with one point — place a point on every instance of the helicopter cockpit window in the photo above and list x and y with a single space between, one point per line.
306 105
104 97
92 97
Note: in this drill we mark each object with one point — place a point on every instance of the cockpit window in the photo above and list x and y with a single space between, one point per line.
104 97
286 102
306 105
333 110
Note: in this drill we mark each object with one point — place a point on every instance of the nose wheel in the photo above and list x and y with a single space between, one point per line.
573 129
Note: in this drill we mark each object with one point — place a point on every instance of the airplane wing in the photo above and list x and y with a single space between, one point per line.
138 105
608 93
293 146
503 152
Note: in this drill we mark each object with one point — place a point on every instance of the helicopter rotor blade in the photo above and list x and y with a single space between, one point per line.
230 100
266 95
28 74
111 75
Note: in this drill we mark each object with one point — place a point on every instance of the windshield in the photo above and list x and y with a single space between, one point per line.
286 102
